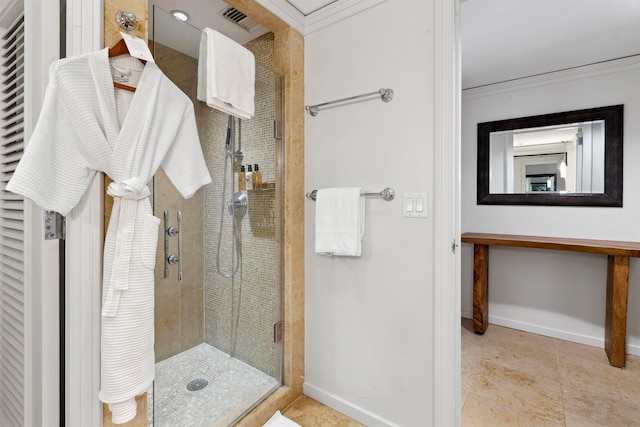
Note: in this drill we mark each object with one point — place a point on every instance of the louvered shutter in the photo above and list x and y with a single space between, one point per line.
12 312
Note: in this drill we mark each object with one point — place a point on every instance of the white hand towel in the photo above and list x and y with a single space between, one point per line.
339 221
279 420
226 75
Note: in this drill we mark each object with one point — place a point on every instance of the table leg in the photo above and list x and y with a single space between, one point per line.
615 333
480 288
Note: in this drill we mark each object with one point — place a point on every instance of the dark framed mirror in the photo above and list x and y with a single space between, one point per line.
572 158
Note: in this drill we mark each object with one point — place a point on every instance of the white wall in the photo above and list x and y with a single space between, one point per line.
369 320
560 294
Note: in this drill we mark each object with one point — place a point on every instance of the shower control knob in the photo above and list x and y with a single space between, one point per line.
173 259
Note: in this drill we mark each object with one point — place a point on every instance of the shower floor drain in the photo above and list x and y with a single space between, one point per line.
197 384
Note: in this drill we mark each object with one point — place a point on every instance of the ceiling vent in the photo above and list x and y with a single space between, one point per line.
240 19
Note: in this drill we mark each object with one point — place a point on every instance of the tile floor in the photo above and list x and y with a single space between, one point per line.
514 378
231 384
310 413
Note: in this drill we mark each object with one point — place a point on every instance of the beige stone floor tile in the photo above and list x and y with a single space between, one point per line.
586 407
615 384
582 351
524 358
465 387
469 369
310 413
469 339
633 363
532 396
470 365
513 378
466 327
538 342
463 396
483 411
578 420
471 356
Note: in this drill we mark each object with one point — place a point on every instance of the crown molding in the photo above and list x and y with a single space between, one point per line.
592 70
285 11
328 15
335 12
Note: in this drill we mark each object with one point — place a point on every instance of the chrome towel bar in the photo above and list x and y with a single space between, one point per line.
386 95
387 194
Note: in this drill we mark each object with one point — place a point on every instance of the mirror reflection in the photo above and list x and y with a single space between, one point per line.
571 158
564 158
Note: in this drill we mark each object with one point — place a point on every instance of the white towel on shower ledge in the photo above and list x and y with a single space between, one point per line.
279 420
339 221
226 75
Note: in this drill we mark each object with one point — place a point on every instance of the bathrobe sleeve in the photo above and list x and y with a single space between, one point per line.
184 162
53 172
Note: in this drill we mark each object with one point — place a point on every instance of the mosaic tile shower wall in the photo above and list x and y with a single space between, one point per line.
240 312
235 315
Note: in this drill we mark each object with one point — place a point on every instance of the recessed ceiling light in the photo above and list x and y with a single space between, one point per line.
180 15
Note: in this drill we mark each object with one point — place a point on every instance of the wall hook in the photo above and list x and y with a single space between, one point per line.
127 20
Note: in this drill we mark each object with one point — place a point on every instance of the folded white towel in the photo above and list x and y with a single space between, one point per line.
339 221
279 420
226 75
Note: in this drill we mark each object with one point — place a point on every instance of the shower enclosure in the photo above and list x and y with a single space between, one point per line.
218 336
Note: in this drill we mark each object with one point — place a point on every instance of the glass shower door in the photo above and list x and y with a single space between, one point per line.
215 349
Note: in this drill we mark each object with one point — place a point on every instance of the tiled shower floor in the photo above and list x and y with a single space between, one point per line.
234 387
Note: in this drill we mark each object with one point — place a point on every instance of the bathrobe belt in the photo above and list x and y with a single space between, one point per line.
127 196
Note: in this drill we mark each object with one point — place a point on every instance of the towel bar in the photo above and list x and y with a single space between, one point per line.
387 194
386 95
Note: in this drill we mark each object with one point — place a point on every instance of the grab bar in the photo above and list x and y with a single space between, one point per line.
387 194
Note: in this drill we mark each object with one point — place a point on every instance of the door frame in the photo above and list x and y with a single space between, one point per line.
42 257
83 264
446 302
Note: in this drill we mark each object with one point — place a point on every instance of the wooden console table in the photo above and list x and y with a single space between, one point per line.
617 280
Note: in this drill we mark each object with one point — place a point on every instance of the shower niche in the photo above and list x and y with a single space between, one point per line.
216 357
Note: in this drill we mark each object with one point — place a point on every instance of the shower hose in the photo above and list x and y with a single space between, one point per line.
229 156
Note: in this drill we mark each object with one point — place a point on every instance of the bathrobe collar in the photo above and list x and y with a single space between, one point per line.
125 142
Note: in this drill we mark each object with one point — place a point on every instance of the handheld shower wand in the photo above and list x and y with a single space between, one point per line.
237 205
229 141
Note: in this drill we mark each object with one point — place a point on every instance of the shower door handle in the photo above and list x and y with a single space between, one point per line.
166 244
172 231
180 246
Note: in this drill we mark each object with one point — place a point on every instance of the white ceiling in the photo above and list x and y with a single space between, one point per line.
501 39
300 14
203 13
508 39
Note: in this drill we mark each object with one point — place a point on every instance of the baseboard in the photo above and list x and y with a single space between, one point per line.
633 349
350 410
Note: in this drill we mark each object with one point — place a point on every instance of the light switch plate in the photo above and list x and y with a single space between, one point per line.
415 200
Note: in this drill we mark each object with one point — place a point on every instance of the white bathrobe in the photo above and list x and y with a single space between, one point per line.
87 126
